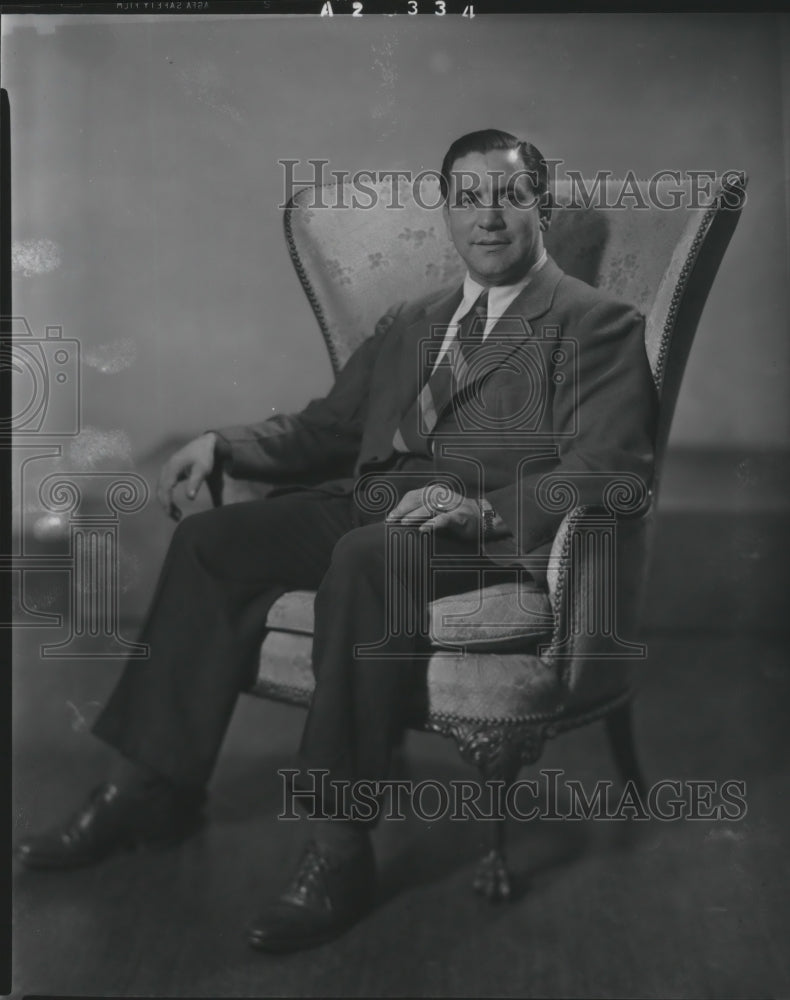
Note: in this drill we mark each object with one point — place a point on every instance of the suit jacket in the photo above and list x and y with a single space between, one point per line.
570 393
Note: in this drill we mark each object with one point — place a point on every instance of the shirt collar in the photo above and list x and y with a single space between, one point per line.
501 293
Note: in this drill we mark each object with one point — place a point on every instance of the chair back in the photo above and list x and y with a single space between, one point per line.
656 245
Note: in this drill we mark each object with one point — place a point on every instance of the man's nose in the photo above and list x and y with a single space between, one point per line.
490 217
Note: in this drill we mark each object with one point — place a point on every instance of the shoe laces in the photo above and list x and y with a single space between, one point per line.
81 819
308 884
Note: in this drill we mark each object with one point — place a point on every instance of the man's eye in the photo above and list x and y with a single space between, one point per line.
520 196
464 200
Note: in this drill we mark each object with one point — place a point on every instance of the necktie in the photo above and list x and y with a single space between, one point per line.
472 327
449 376
469 339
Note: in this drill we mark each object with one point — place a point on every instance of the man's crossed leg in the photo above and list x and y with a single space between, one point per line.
168 714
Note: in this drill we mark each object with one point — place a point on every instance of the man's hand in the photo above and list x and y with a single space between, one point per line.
194 462
435 507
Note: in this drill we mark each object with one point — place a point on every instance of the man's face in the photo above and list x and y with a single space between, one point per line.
492 216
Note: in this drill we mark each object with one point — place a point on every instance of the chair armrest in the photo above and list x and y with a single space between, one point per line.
596 576
576 519
224 489
625 497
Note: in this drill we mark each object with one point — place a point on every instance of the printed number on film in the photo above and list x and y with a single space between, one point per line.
439 8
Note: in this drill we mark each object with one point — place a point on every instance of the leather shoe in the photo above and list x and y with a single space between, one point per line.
324 899
112 820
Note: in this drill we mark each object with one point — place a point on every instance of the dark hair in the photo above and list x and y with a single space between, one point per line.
488 139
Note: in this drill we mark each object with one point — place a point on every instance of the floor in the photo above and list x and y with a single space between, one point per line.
644 909
651 909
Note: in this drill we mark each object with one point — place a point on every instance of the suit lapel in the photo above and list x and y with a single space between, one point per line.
424 334
426 331
536 298
509 332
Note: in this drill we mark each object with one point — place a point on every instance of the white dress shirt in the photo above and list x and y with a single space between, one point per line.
499 298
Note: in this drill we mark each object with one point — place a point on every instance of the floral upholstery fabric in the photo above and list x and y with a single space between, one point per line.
360 263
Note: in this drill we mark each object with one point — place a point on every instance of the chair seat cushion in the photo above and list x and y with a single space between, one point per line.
293 612
504 617
471 685
498 618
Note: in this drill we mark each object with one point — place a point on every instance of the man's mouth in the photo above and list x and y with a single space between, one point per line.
491 243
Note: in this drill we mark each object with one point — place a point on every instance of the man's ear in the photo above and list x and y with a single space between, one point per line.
545 222
446 218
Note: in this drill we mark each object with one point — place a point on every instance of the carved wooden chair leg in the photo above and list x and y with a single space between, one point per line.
492 878
619 729
498 750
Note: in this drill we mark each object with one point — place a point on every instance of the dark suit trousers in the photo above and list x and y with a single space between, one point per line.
223 570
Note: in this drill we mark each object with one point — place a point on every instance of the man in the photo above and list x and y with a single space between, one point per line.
521 372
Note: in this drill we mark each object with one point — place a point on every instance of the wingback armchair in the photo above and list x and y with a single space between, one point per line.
505 677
